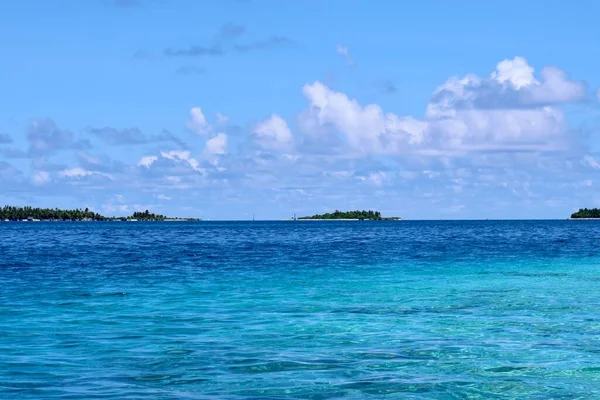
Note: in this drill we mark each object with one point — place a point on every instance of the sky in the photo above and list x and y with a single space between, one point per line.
225 109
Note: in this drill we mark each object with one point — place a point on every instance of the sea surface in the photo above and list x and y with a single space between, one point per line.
307 310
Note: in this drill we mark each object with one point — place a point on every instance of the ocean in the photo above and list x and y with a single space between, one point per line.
306 310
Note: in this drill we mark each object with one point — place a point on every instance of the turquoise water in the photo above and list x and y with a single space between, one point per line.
309 310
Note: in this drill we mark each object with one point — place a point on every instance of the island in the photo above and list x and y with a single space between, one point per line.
351 215
586 213
12 213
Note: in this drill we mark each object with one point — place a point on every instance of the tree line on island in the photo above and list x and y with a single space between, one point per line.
586 213
360 215
12 213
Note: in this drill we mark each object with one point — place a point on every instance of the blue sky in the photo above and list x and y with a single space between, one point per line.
224 109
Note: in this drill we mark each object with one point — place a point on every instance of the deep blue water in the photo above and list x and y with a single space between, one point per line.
310 310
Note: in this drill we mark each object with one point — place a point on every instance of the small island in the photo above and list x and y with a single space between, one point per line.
351 215
12 213
586 213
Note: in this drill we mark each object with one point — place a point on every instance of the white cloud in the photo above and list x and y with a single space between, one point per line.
556 88
366 128
340 149
147 161
40 178
181 155
591 161
198 123
273 134
344 52
516 72
513 85
78 172
216 145
75 172
472 130
510 110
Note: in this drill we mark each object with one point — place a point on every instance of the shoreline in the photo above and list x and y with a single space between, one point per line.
99 220
344 219
331 219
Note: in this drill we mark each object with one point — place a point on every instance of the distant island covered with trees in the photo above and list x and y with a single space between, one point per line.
354 215
586 213
11 213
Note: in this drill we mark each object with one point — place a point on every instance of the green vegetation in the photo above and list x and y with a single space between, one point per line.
586 213
147 216
362 215
12 213
20 213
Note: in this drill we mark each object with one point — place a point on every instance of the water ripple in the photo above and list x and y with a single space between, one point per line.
411 310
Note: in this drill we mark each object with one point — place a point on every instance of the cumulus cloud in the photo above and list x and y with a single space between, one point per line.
198 123
510 110
513 85
556 88
273 134
518 129
516 72
216 145
365 128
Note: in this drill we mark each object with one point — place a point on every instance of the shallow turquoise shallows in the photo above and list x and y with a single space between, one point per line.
309 310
